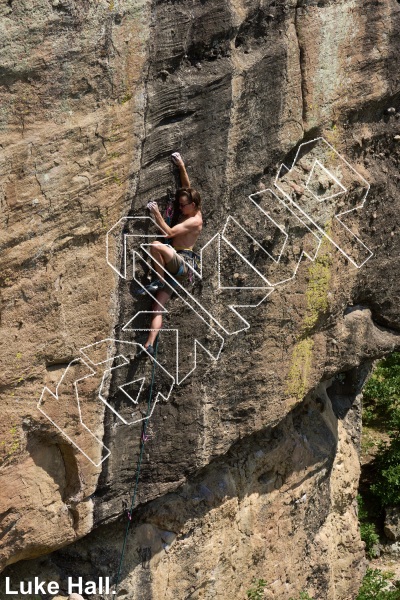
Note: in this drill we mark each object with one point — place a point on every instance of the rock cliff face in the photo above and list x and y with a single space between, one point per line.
251 466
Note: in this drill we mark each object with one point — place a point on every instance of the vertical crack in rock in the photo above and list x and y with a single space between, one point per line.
301 62
145 127
111 423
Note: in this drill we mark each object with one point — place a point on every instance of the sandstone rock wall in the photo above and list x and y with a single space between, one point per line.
72 98
252 468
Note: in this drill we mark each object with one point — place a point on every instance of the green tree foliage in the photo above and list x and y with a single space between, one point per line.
382 409
375 587
368 531
363 514
256 592
370 536
381 395
387 481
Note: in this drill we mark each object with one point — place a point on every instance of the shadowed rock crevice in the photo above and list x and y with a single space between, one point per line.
289 465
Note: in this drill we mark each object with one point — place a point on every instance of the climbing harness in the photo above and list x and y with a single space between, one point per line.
143 439
194 259
191 259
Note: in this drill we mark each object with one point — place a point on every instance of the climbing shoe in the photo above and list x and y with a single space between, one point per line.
143 351
152 287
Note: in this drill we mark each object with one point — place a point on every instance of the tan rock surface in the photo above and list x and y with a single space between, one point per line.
69 128
251 468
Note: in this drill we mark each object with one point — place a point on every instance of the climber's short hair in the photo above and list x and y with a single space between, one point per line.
191 194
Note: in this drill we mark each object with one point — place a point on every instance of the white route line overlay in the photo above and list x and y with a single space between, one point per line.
201 307
323 232
276 261
179 380
93 372
233 307
56 396
165 311
107 371
344 189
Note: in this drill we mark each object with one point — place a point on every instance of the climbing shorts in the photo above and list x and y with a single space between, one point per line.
179 268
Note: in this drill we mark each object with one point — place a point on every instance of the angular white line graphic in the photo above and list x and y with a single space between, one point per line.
204 335
276 257
313 183
66 411
332 214
232 297
162 383
318 196
132 230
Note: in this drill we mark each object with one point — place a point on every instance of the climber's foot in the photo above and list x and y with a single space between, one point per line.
145 350
156 285
152 287
150 350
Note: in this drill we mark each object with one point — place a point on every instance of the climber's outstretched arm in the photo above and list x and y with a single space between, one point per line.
177 159
185 182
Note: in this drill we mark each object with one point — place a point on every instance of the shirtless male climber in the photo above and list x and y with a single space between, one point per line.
172 257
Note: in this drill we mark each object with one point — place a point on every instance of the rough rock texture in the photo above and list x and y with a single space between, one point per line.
70 90
392 523
251 469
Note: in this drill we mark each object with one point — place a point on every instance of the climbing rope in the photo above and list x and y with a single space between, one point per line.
169 211
143 439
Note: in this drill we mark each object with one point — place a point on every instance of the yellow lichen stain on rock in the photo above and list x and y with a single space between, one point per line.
126 98
317 304
317 290
300 366
10 446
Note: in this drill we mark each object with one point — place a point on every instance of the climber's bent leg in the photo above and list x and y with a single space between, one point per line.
162 254
176 265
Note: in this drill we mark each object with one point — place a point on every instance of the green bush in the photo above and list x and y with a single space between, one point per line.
370 537
256 592
381 395
374 586
303 596
368 531
381 407
363 514
387 479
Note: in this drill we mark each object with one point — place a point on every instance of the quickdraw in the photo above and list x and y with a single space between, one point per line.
169 209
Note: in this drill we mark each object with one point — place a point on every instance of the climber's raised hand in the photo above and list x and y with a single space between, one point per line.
153 207
177 159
